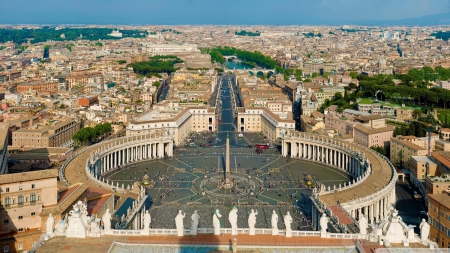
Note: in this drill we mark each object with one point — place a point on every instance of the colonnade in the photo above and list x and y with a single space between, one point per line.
130 153
327 154
376 205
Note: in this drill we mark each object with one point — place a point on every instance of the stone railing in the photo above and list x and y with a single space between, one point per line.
258 231
137 205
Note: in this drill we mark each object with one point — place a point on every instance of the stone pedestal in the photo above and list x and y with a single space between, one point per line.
252 231
274 231
289 233
323 234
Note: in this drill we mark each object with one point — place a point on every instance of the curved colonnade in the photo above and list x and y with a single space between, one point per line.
371 193
104 157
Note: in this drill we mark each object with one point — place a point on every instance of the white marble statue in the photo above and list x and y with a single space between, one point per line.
50 222
252 221
147 220
232 218
362 225
323 223
274 223
287 222
194 218
424 230
106 219
216 222
179 223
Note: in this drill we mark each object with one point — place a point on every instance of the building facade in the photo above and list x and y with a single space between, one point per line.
439 218
22 197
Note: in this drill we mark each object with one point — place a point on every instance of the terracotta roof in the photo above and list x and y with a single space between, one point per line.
374 130
443 199
28 176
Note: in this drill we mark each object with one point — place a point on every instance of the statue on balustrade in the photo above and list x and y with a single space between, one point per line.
232 218
323 223
106 218
252 221
216 222
274 223
362 225
147 220
287 222
195 217
50 222
424 230
179 223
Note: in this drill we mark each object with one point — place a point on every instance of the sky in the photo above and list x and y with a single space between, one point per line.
233 12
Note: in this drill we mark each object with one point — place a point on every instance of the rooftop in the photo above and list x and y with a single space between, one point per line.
28 176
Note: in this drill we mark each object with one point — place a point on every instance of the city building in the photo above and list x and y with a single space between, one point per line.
54 133
439 218
173 118
22 198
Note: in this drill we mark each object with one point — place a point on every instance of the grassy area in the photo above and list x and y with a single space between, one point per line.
442 113
396 123
366 101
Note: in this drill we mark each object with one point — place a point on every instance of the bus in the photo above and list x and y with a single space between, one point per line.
262 146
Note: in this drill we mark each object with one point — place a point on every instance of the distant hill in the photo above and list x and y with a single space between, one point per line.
435 19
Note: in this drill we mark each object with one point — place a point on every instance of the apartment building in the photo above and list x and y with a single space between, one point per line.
409 147
22 197
372 131
261 119
439 218
56 133
177 120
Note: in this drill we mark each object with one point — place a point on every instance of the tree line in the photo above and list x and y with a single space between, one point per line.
87 134
46 33
156 65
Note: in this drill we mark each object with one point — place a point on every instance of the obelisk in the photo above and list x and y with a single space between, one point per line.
227 161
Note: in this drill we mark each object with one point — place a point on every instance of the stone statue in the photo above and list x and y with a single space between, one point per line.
106 218
194 219
179 223
362 225
50 222
147 220
232 218
424 230
274 223
216 222
252 221
323 223
287 222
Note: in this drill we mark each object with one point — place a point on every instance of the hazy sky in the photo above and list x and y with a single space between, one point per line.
276 12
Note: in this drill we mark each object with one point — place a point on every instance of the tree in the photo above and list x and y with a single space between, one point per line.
298 74
314 74
337 96
400 158
354 74
379 149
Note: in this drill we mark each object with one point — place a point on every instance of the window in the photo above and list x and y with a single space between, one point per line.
20 246
20 229
20 199
33 197
20 187
442 214
7 189
436 224
20 217
34 244
6 249
33 213
6 221
32 186
7 201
